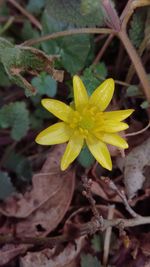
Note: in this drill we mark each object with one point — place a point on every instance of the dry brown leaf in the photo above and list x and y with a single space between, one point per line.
46 258
102 190
45 186
134 165
9 252
41 209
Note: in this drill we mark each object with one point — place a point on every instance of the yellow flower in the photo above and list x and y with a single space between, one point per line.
86 123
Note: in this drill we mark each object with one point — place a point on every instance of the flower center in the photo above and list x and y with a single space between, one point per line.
88 120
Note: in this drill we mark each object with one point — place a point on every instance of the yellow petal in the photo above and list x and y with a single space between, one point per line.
72 150
58 108
80 94
100 152
114 126
118 115
102 95
55 134
113 139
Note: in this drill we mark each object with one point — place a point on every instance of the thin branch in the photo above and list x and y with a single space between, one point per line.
88 228
26 14
103 49
16 19
67 33
87 183
7 25
139 132
141 49
122 195
136 60
132 6
109 39
108 236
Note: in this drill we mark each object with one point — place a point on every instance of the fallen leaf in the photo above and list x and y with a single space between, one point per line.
41 209
47 258
9 252
134 164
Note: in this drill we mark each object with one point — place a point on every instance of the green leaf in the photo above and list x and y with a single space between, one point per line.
80 12
73 50
45 85
35 6
6 187
18 60
4 10
87 260
36 123
19 165
97 243
16 117
133 90
100 70
93 76
42 113
145 104
29 32
85 158
4 81
136 32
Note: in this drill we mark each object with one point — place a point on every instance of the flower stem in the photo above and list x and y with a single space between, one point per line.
67 33
136 62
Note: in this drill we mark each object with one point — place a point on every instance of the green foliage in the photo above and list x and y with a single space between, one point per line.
97 243
85 158
3 77
133 90
6 187
45 84
87 260
73 50
35 6
19 165
145 104
93 76
37 117
80 12
19 59
147 29
136 31
29 32
16 117
4 11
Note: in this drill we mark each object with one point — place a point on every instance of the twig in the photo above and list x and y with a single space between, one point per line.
85 229
108 236
67 33
122 83
141 49
136 62
122 195
109 39
131 7
88 194
87 183
16 19
103 49
138 132
26 14
7 25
